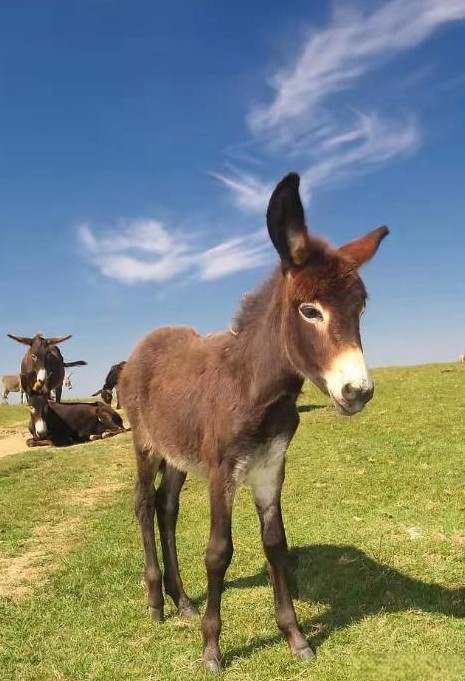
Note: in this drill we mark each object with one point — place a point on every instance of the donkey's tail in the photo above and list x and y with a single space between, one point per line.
79 363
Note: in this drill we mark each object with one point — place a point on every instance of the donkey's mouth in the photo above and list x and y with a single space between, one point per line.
347 408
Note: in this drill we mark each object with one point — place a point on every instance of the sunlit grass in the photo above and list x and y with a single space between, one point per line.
12 415
375 513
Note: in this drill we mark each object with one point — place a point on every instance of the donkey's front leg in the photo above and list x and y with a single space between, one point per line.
267 496
217 559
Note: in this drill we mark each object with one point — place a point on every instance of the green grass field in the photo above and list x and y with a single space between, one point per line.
375 514
12 415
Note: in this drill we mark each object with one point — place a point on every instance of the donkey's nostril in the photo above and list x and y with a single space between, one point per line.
368 393
351 393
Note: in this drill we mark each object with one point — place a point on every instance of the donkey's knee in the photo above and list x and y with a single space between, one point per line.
144 505
219 554
167 505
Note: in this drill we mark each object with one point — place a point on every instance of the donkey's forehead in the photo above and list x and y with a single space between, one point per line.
329 278
38 343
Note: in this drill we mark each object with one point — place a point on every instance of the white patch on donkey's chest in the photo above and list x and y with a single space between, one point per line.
261 470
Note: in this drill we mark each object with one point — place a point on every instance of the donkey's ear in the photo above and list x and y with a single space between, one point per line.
286 222
363 249
21 339
57 339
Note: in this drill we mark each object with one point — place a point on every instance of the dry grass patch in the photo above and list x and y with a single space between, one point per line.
60 527
96 495
21 574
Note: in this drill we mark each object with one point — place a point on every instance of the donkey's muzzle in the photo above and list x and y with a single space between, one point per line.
354 398
40 428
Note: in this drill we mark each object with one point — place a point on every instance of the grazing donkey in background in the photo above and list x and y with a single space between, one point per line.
11 384
43 366
111 382
225 406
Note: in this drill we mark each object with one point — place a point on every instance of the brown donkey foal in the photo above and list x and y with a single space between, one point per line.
225 406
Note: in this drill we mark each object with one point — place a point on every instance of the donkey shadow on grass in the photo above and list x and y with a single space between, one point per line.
352 586
303 408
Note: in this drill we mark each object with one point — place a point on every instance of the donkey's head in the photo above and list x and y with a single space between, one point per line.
39 355
106 395
38 406
324 298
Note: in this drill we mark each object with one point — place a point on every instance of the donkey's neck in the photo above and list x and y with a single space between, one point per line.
260 344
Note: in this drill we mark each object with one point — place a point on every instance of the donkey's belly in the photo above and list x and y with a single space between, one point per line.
186 464
181 447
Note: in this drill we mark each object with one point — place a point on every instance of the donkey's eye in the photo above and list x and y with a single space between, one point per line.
310 313
34 357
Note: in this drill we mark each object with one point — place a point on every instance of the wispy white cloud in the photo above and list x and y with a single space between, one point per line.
302 126
371 142
301 122
237 254
143 250
334 58
250 192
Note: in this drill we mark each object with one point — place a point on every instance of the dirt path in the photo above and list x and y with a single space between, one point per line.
12 441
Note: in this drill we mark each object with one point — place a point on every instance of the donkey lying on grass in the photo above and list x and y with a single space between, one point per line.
225 406
69 423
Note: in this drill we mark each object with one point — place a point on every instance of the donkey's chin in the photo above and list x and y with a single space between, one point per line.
347 408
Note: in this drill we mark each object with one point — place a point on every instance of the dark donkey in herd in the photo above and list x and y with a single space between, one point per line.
111 382
225 405
43 366
60 425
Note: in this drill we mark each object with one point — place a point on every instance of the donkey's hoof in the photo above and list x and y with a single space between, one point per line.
189 611
156 614
212 664
306 654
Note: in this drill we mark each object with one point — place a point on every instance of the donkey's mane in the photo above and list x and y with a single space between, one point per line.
253 305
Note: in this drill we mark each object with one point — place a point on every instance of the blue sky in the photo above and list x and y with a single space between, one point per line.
139 142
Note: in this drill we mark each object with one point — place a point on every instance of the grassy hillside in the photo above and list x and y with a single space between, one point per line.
374 508
12 415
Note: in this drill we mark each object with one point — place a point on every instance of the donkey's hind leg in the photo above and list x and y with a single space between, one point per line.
147 466
167 504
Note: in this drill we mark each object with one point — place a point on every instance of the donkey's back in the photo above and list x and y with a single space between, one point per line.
168 387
